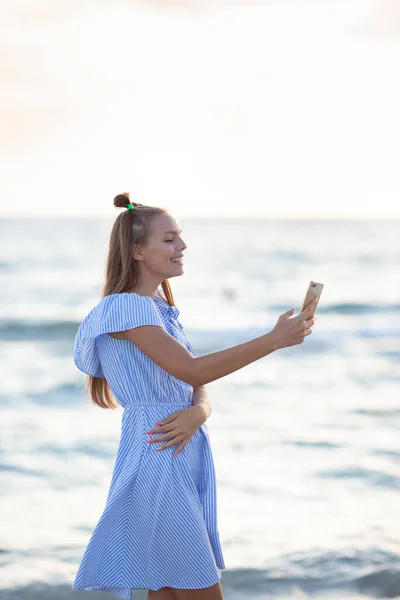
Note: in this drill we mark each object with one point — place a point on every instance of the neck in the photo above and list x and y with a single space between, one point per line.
145 290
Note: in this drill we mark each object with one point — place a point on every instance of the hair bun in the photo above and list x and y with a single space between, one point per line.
122 200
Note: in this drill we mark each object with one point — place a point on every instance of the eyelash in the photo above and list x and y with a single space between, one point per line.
169 240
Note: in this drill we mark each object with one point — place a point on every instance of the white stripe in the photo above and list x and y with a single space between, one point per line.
159 524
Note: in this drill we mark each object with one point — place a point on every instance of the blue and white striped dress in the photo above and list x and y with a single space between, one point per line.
159 524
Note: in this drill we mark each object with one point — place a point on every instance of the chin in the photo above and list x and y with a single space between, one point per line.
176 274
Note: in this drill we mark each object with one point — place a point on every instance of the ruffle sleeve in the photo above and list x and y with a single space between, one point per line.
117 312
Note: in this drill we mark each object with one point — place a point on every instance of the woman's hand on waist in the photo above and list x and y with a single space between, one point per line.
179 426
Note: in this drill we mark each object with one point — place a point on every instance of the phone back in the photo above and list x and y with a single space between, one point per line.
314 291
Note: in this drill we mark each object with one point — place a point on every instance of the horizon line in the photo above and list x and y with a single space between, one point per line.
229 217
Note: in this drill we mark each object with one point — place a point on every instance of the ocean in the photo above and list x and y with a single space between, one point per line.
305 441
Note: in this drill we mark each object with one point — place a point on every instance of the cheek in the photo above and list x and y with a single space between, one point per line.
165 253
158 258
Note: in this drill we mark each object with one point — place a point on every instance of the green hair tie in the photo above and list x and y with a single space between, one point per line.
130 206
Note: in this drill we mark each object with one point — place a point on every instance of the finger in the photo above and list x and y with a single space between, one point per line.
169 444
302 337
181 447
168 419
161 428
162 438
311 305
310 308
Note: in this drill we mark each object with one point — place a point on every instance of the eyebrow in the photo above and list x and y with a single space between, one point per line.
173 232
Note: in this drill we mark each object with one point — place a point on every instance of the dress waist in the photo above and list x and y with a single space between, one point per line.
149 404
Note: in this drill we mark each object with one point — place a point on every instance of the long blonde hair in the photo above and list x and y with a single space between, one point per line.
121 275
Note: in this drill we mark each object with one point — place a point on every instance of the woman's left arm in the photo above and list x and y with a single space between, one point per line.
179 427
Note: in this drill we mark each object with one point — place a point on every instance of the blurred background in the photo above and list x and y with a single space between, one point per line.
269 130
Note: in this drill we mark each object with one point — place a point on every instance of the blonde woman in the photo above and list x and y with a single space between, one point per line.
158 530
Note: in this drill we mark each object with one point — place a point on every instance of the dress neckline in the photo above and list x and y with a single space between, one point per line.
174 310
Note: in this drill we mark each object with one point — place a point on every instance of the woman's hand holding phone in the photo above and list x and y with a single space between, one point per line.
290 331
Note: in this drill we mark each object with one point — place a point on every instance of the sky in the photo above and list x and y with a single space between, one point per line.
279 108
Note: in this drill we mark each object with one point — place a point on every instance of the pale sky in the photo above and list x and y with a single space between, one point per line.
266 108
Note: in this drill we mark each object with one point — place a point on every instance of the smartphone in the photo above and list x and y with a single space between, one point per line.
314 290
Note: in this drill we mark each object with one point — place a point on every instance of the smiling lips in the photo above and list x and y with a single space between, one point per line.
177 260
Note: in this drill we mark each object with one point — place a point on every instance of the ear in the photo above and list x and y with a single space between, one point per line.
137 252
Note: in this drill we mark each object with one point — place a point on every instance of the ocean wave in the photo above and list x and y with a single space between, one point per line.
370 477
358 308
388 413
13 330
309 444
58 396
32 329
371 573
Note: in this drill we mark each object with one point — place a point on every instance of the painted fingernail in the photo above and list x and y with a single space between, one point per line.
158 422
148 431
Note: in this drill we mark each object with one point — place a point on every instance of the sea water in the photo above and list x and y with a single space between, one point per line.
305 440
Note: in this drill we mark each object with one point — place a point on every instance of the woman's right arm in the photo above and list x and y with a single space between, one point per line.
174 358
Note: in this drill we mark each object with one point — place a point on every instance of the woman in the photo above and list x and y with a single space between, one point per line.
158 530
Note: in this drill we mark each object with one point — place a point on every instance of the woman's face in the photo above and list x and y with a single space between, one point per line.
161 255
